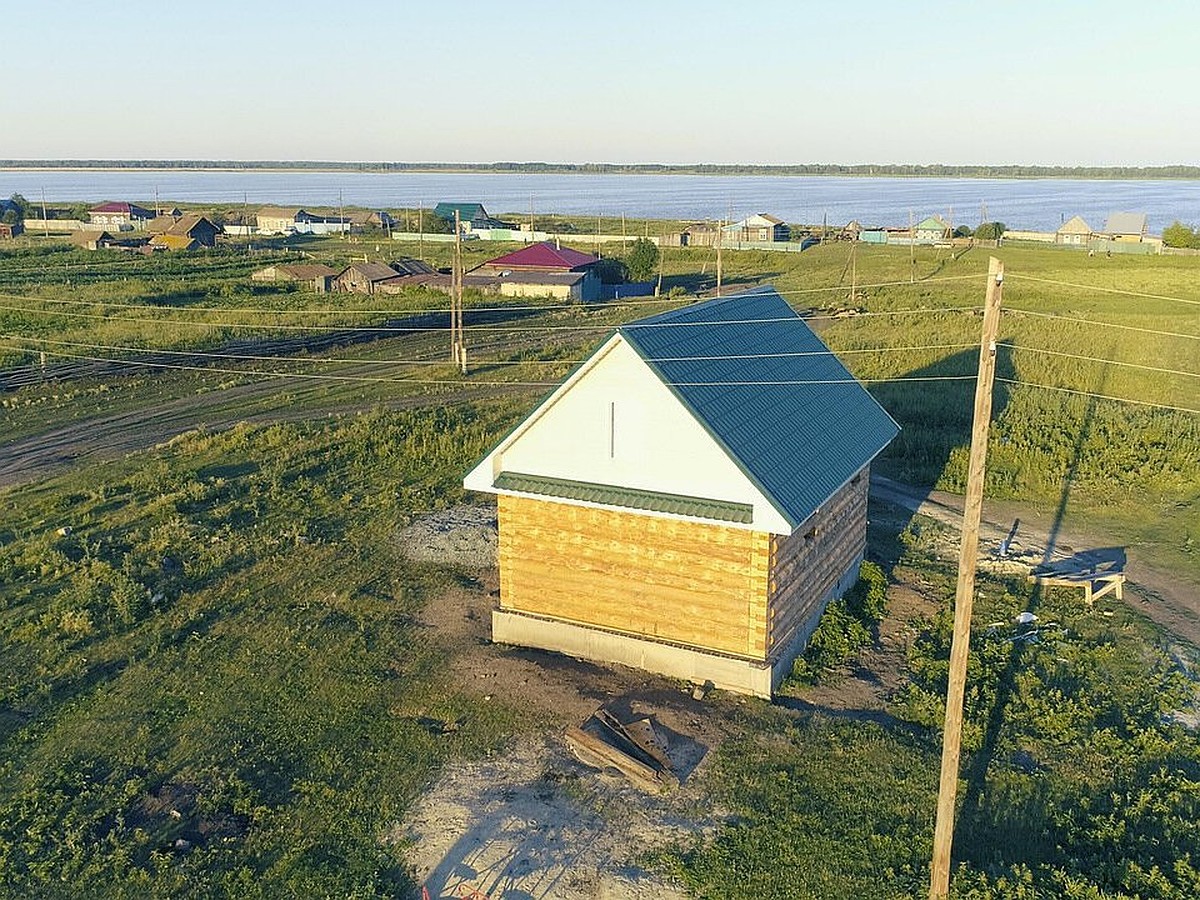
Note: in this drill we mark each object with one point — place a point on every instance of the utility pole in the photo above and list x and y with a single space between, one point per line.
458 348
720 230
421 229
530 218
342 216
662 246
964 595
912 249
853 272
156 210
45 220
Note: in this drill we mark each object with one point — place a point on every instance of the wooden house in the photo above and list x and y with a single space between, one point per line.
690 499
293 272
1074 232
200 229
933 230
282 219
363 277
119 216
1126 227
697 234
545 269
759 228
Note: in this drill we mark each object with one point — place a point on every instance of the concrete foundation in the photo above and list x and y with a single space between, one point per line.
596 644
758 678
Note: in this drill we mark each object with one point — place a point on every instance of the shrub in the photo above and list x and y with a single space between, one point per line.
845 626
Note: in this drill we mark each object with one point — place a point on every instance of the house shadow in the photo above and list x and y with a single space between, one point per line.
936 418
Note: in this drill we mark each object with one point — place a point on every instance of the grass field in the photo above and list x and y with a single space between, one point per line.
229 632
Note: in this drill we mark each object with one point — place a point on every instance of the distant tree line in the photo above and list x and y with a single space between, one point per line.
938 170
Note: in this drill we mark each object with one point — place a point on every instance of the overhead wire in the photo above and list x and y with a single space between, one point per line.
1099 289
1096 359
210 354
1100 323
460 382
1082 393
435 328
616 303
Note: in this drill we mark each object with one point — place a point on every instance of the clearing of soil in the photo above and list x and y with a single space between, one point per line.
532 821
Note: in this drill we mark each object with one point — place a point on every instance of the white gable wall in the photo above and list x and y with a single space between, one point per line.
616 423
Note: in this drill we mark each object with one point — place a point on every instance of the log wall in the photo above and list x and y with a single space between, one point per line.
806 567
690 583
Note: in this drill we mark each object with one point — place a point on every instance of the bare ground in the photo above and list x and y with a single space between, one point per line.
1169 599
532 821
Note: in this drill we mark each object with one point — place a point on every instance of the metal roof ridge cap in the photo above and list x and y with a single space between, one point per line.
706 304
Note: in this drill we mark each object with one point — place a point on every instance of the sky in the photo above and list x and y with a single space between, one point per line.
662 81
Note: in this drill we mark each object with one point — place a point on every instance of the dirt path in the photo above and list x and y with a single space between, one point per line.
109 437
1166 598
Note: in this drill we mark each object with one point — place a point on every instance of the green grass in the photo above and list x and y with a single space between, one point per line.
1075 780
229 626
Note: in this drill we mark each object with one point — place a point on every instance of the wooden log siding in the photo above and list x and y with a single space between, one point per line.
704 586
807 565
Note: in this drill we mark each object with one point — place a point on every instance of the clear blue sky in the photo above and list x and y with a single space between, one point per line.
1068 82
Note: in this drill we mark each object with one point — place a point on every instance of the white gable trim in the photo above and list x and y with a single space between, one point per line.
615 422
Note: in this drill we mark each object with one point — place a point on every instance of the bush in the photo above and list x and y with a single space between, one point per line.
1179 235
642 260
990 231
845 626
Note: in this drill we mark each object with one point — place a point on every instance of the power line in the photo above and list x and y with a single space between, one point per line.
1066 390
1095 359
1106 290
548 306
1097 322
458 382
212 354
436 328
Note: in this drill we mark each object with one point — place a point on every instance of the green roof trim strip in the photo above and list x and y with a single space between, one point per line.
628 498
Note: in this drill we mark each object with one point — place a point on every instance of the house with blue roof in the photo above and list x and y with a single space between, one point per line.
690 498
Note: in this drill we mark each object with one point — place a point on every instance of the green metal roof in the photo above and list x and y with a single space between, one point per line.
778 401
629 498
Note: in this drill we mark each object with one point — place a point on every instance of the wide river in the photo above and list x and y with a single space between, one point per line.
1020 203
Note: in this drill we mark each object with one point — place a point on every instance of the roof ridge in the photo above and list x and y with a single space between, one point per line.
712 302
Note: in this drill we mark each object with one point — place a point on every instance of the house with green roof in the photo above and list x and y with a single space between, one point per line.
690 498
471 216
932 230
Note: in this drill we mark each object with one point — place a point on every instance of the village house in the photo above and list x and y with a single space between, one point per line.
545 269
308 272
362 277
282 219
119 216
1074 232
933 230
690 499
698 234
173 242
200 229
1126 227
759 228
471 216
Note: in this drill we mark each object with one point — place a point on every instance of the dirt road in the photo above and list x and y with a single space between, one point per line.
1166 598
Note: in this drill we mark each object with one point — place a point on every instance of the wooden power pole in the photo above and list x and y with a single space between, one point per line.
720 231
458 347
964 595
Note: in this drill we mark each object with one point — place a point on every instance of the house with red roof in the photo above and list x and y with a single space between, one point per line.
121 216
547 269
